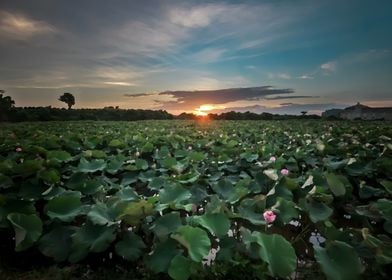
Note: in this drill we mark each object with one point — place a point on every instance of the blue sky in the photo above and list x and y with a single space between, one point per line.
174 55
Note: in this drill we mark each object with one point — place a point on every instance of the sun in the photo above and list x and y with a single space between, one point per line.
203 110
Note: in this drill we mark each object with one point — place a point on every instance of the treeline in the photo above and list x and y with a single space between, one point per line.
232 115
10 113
22 114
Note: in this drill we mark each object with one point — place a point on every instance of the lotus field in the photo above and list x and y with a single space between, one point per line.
183 199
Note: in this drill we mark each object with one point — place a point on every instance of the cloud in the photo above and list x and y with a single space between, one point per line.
286 108
289 97
18 26
119 83
208 55
252 44
329 66
365 56
144 38
137 94
347 60
92 49
306 77
189 100
283 76
197 16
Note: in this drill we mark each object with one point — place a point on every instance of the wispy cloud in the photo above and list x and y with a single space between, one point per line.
119 83
355 58
18 26
365 56
329 66
252 44
283 76
144 38
208 55
198 16
188 100
306 77
290 97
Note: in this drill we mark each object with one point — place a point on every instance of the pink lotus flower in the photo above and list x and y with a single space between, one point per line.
269 216
272 159
18 149
284 172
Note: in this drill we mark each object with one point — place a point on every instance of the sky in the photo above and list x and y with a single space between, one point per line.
279 56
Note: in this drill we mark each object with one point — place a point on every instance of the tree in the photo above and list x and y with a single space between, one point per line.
6 103
68 98
304 113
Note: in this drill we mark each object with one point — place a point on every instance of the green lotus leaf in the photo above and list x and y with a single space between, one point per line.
180 268
58 156
130 247
28 229
10 205
217 224
102 214
162 254
92 166
129 178
277 252
195 240
115 143
141 164
166 224
250 210
387 185
169 162
147 147
338 261
134 212
318 211
82 182
90 238
227 250
57 243
174 194
28 167
335 184
114 166
196 156
5 182
127 194
225 189
64 207
384 206
50 176
95 154
156 183
286 210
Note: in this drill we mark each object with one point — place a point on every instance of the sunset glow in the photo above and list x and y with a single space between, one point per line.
198 57
203 110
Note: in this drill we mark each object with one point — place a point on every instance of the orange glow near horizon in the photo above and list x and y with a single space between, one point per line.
204 109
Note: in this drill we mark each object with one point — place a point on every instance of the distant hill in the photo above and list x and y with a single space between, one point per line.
360 111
